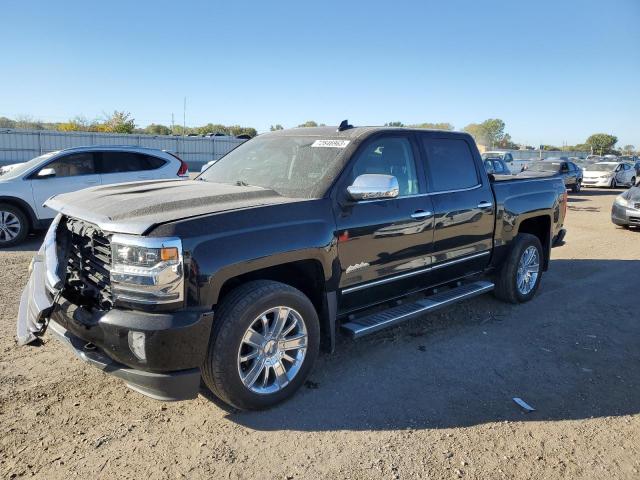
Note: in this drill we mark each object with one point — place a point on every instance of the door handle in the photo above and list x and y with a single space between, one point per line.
485 205
91 181
420 214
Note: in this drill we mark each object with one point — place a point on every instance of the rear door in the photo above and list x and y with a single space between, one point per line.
67 173
463 205
384 243
118 166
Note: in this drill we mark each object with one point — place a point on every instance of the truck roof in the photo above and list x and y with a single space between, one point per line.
352 132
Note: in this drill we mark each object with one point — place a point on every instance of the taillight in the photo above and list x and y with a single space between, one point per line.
183 171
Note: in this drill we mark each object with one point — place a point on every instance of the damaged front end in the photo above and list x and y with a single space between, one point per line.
43 288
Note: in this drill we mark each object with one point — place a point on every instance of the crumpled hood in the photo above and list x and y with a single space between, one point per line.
136 207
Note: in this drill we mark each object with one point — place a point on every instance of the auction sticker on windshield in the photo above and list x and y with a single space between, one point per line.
330 143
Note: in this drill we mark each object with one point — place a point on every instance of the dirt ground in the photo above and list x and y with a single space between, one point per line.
429 399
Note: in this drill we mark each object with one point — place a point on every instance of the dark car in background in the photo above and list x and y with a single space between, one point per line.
570 172
496 166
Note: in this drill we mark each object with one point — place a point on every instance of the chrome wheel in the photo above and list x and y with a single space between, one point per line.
272 350
528 270
10 226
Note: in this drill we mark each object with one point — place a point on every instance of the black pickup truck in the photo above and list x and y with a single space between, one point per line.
240 276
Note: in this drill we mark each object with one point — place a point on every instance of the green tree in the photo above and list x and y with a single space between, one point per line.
394 124
489 133
157 129
118 122
434 126
275 127
308 123
7 123
602 143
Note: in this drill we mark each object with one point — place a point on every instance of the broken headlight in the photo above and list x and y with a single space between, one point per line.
146 270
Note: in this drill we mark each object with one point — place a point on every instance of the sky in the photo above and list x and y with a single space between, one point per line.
554 71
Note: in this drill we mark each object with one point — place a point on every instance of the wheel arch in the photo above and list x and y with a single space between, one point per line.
307 275
539 226
24 206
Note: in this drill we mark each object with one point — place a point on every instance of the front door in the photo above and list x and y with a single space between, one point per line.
65 174
463 205
384 243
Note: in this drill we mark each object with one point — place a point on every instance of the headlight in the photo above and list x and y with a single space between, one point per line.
623 202
146 270
605 175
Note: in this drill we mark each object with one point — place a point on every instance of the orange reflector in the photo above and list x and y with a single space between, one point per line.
167 254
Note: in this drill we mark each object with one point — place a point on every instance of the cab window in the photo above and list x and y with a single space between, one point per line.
389 156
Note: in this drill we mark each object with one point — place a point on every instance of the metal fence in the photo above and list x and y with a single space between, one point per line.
536 154
22 145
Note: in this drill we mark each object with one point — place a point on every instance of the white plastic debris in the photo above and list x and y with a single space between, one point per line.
524 404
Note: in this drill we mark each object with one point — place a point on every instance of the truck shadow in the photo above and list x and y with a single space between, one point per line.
571 353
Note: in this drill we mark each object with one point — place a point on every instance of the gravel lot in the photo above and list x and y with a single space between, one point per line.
429 399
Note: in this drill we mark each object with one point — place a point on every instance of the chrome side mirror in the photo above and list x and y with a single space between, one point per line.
371 186
47 173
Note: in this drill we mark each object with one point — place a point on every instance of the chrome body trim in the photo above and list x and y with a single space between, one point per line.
382 281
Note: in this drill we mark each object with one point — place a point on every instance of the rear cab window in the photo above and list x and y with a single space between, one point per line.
449 164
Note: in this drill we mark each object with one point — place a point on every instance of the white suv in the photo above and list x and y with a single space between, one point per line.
25 187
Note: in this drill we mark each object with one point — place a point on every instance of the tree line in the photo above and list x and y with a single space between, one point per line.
123 122
490 133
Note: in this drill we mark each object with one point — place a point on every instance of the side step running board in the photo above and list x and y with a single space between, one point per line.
392 316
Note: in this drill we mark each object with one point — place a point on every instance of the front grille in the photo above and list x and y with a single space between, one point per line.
89 263
634 220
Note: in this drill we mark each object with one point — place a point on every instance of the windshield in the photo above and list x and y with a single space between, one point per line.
603 167
297 167
544 167
26 166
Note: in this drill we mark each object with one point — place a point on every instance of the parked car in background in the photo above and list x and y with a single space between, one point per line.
207 165
7 168
570 172
637 169
514 166
237 278
593 158
625 210
609 174
496 166
25 187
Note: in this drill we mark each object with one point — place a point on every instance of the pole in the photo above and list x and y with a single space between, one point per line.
184 118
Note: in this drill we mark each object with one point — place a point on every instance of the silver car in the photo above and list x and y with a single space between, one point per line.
626 208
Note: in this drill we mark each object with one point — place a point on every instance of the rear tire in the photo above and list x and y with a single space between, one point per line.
575 188
633 181
509 278
238 334
14 225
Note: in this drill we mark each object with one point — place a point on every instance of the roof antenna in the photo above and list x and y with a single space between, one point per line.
344 125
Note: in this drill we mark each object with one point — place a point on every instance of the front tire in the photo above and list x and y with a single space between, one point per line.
14 225
575 188
614 184
519 277
264 343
